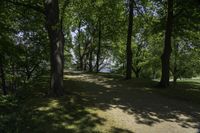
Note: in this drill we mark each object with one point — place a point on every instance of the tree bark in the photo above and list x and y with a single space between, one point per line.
56 37
128 46
2 75
98 48
90 59
79 48
165 58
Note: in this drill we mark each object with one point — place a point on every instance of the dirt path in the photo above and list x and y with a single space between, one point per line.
132 106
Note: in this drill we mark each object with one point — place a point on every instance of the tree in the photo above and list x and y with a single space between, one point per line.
56 37
128 45
99 46
53 25
165 58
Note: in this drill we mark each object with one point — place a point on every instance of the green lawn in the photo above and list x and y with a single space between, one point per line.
188 90
84 110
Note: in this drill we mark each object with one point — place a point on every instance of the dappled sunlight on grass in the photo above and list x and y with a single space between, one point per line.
59 115
138 100
52 104
103 103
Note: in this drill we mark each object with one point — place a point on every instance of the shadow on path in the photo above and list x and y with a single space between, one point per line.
71 113
134 97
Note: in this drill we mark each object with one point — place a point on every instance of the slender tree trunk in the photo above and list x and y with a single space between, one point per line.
85 64
128 45
99 48
56 37
81 63
90 59
165 58
2 74
79 48
137 73
175 79
91 54
90 62
87 61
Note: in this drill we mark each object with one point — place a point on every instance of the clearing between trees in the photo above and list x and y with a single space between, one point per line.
108 103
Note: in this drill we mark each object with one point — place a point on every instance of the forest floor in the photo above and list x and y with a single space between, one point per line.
106 103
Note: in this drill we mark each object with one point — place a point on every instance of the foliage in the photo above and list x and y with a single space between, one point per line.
25 49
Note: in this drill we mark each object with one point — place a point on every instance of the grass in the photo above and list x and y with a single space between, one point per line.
187 90
99 103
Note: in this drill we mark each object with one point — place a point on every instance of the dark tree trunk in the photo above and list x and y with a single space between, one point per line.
165 58
85 65
90 60
98 48
2 75
87 61
137 74
128 45
174 79
79 48
91 54
85 55
81 63
56 37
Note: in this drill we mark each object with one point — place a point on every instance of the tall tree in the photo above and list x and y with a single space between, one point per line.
79 47
56 37
128 45
165 58
99 46
53 24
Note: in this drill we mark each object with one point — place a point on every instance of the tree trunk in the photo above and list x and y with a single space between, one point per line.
128 46
56 37
2 74
99 48
137 73
87 61
90 60
175 79
165 58
79 48
81 63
